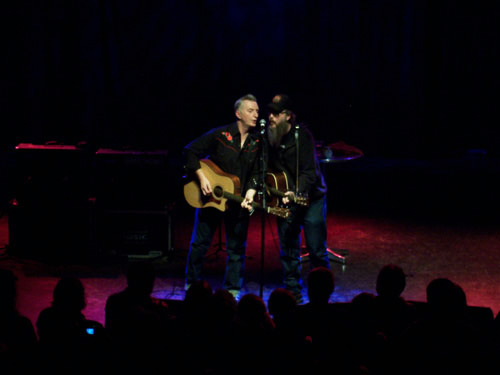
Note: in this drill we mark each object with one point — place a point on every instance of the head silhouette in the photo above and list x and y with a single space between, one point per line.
69 294
223 306
198 296
391 281
281 303
141 277
445 298
7 290
362 308
320 285
252 310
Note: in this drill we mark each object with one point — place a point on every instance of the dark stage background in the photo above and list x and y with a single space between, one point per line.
394 78
400 80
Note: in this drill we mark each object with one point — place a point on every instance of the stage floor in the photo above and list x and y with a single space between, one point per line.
466 252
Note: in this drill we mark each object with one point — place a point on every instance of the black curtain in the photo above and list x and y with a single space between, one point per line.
398 78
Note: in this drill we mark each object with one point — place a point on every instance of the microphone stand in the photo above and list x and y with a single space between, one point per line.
263 166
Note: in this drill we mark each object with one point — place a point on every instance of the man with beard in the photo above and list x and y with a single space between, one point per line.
292 151
234 148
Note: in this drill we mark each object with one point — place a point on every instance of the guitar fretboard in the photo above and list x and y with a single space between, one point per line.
278 211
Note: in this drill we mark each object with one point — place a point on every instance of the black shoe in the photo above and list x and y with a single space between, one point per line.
298 298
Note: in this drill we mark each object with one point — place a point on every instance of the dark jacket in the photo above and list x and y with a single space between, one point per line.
222 146
284 159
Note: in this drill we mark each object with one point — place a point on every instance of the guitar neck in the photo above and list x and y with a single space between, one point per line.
276 192
282 194
278 211
237 198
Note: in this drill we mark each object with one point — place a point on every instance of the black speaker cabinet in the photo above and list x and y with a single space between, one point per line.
132 180
76 203
133 233
51 215
133 200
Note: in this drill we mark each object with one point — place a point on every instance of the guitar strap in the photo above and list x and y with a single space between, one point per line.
297 159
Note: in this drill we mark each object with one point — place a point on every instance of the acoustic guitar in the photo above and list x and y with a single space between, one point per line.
277 185
225 187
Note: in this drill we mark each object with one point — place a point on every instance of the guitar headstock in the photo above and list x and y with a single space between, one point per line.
302 201
279 211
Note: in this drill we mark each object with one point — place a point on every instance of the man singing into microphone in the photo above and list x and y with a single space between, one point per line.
235 149
292 151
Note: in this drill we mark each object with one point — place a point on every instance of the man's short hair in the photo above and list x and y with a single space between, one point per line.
237 103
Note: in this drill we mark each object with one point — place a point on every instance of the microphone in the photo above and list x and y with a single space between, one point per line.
262 124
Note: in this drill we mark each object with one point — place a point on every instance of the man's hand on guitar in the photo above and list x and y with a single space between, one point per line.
289 197
247 202
205 186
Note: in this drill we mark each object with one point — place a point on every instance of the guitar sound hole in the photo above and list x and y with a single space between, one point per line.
218 192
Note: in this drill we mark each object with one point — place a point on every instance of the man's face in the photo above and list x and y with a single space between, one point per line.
278 127
276 118
248 113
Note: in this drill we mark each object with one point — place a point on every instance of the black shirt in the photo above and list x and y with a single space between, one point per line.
284 158
222 146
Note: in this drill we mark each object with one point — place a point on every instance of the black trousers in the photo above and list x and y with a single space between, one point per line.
207 220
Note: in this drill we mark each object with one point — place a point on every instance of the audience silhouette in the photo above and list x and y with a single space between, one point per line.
441 341
392 313
368 343
375 320
253 331
194 328
138 325
282 307
288 335
324 324
70 343
222 312
18 341
211 333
